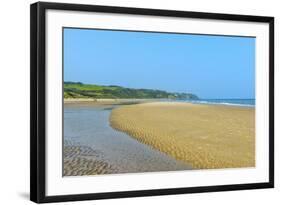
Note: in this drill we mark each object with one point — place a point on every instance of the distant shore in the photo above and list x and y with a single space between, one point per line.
91 101
204 136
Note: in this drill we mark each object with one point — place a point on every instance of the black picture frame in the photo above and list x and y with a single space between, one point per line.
38 101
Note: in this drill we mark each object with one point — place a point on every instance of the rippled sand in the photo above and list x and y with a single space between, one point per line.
83 160
93 147
204 136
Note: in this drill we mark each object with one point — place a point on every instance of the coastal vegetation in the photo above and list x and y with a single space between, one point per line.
81 90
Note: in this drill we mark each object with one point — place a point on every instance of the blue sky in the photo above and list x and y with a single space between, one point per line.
211 67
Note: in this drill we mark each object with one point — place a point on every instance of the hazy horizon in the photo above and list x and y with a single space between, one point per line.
171 62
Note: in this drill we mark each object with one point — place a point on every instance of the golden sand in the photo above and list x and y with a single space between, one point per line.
204 136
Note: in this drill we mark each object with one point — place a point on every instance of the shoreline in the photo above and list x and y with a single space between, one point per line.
128 101
87 101
202 135
93 147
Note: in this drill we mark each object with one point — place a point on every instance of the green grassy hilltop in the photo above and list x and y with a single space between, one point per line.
80 90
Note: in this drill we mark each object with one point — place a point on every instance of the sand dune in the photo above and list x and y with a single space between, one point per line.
204 136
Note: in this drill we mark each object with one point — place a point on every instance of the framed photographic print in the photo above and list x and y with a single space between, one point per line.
129 102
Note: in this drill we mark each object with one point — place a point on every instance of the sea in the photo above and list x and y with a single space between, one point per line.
231 102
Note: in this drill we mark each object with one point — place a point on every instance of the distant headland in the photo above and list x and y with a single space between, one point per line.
81 90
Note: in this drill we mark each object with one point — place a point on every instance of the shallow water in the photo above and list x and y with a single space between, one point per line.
89 126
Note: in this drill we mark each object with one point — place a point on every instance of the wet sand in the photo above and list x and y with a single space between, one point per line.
204 136
83 160
92 146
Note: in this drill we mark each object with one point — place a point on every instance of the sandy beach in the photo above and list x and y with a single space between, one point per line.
102 102
203 136
83 160
93 147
